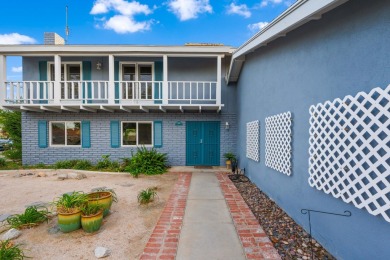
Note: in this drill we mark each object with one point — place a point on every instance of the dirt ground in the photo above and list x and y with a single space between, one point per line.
125 231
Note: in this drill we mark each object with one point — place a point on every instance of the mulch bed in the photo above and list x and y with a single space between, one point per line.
290 239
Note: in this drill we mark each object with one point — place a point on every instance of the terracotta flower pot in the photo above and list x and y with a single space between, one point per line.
92 223
103 198
69 222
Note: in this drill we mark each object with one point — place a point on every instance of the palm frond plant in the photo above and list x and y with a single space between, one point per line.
32 216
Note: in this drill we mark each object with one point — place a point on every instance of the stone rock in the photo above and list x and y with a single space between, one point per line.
54 230
98 188
4 217
41 174
76 175
11 234
30 174
101 252
62 176
3 175
299 251
38 204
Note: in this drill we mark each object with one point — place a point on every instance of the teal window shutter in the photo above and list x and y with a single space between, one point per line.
158 76
116 78
42 77
85 134
158 134
42 133
115 134
87 75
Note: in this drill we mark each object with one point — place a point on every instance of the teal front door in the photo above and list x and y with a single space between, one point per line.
202 143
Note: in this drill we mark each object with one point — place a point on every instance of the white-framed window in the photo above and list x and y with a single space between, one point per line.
70 71
137 133
142 75
65 133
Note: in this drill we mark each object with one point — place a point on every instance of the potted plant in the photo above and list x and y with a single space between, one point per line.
230 157
68 209
91 217
104 197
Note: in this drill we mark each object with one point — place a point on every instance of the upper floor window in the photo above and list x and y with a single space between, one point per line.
69 72
137 72
66 133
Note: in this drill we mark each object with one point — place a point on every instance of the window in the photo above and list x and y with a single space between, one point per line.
142 74
69 72
137 133
65 133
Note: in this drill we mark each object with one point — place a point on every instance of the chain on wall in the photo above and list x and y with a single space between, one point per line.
278 142
350 150
252 140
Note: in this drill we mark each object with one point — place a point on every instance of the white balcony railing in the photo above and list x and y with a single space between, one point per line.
192 92
97 92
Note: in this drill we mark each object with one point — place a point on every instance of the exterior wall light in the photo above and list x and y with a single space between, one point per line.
98 65
227 126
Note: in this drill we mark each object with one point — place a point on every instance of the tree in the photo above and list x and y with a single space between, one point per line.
11 124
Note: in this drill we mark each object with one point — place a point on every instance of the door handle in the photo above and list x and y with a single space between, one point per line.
201 141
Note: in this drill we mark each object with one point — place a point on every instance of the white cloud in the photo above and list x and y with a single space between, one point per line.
16 38
123 21
125 24
257 26
189 9
265 3
239 9
17 69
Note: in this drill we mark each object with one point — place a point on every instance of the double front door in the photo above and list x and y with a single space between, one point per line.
202 143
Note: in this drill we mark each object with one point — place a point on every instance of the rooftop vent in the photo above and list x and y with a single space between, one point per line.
51 38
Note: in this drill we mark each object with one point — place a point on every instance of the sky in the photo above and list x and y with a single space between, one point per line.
169 22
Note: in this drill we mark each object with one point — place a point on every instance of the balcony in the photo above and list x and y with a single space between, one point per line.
129 96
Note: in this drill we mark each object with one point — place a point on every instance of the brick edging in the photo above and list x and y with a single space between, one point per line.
163 241
254 240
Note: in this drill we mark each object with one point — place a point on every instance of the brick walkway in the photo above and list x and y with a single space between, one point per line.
164 240
255 242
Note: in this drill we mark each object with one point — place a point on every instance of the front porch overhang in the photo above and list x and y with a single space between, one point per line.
94 108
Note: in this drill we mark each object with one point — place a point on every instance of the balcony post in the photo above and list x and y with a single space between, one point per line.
111 79
165 80
219 77
57 79
3 78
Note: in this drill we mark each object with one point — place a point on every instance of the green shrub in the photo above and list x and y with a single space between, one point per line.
9 251
10 122
3 162
106 164
66 164
32 216
13 153
82 165
149 162
40 166
146 196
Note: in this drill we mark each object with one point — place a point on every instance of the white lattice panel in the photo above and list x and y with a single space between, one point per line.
278 142
350 150
252 140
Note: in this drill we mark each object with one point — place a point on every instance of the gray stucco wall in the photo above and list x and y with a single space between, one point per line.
174 137
343 53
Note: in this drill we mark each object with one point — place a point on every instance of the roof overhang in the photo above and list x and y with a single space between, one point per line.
295 16
94 50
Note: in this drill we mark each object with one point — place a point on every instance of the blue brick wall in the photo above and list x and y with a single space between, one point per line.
173 136
343 53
